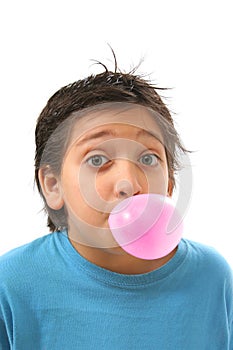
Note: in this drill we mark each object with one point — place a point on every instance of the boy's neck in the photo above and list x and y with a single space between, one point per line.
116 260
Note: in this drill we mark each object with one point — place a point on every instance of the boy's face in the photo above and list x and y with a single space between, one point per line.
112 154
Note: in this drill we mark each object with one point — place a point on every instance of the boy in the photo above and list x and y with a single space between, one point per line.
98 141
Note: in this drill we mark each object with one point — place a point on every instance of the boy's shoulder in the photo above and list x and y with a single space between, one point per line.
29 246
24 255
208 259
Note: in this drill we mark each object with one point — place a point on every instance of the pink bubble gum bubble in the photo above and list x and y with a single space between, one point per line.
147 226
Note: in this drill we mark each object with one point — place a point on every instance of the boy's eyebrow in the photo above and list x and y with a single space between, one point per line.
144 132
109 132
96 135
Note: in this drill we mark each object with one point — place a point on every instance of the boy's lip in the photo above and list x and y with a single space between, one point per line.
110 206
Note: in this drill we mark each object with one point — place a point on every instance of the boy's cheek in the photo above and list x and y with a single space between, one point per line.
98 194
84 195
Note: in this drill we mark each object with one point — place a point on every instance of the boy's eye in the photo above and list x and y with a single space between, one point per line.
97 160
149 159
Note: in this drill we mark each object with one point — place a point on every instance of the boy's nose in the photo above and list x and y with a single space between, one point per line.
128 183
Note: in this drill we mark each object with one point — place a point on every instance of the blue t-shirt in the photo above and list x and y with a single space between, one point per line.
51 298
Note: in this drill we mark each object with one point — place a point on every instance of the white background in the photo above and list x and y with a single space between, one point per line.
187 46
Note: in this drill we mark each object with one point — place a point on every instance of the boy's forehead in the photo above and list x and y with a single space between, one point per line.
126 114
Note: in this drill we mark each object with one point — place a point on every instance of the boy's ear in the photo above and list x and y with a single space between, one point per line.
170 188
51 188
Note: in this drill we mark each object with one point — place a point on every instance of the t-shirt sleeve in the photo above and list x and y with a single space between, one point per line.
4 343
4 339
231 320
231 339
